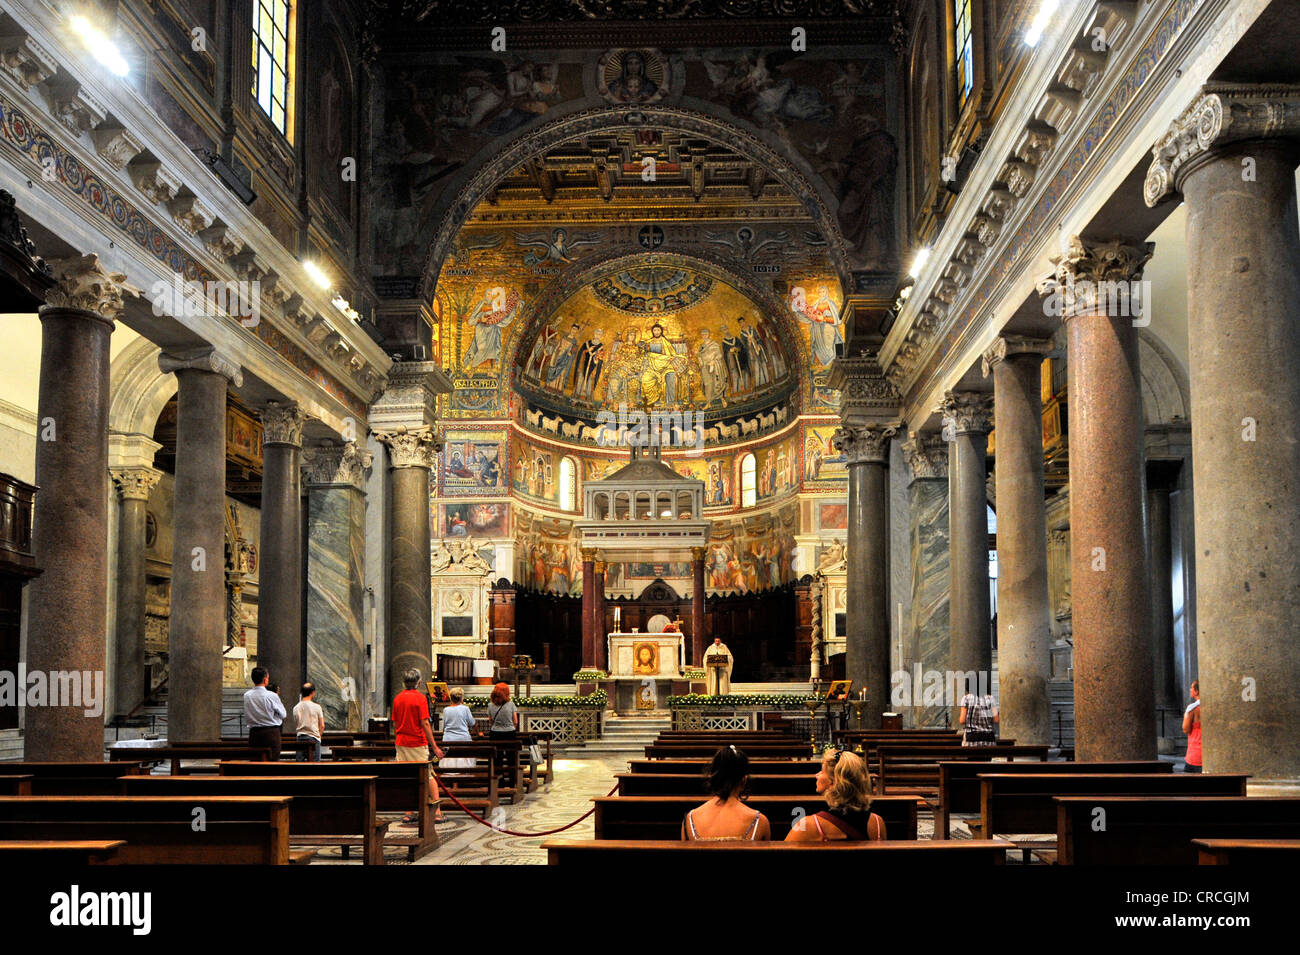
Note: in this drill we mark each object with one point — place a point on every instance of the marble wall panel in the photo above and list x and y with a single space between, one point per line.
336 645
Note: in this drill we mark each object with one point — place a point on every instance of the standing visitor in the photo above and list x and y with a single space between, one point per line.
1192 727
264 714
310 720
413 734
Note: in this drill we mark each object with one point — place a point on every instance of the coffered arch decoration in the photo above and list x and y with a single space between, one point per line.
480 178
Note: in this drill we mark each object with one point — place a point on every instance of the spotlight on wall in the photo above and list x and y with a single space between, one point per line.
100 46
918 263
1044 15
317 274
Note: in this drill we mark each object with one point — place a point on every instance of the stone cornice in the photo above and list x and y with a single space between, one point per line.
1013 346
344 464
282 424
866 395
926 455
864 445
968 412
205 359
1223 115
410 448
83 283
135 483
410 399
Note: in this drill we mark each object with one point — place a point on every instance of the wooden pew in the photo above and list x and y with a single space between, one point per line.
1025 804
916 768
399 787
959 788
883 858
326 810
70 779
177 755
660 817
69 853
248 830
15 785
696 766
475 780
1158 830
693 784
707 750
1247 851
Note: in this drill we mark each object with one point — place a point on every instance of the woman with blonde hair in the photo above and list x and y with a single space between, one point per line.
846 783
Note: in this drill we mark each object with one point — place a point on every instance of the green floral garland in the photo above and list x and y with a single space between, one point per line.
590 676
599 699
694 674
742 699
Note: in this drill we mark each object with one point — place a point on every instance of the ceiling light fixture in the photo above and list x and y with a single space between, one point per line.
1035 31
100 46
317 274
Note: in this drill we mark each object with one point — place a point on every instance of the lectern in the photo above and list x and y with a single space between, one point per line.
717 662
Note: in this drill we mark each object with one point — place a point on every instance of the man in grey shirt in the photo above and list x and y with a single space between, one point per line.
264 714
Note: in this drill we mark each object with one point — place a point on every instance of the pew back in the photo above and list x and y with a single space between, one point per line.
660 817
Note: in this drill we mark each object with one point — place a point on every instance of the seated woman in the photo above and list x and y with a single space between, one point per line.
846 784
457 720
724 817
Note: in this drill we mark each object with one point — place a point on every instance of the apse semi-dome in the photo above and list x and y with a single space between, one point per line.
657 336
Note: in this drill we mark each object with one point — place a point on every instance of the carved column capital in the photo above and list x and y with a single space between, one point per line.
410 447
345 464
282 424
83 283
1222 115
1013 346
699 553
205 359
927 456
134 484
968 412
864 444
1093 277
588 554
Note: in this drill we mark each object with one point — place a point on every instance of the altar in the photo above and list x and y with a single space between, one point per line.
645 655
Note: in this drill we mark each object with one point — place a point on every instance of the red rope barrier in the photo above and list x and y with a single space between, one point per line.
445 790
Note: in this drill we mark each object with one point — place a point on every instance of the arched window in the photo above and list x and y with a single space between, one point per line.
273 40
961 16
748 481
568 484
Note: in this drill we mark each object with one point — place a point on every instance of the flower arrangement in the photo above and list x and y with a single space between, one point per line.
590 675
598 699
742 699
694 674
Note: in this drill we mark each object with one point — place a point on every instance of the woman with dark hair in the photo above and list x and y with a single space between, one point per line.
846 783
725 818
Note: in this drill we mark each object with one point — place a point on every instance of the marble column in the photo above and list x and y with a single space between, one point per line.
866 450
588 606
130 681
599 631
335 478
1232 155
197 628
927 646
411 453
968 418
280 591
1024 614
698 637
67 603
1114 708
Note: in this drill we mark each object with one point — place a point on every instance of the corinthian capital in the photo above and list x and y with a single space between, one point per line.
864 444
204 359
410 447
134 484
1013 346
1091 277
83 283
926 454
1222 115
337 464
282 424
968 412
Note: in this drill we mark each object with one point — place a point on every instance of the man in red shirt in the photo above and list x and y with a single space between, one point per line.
414 733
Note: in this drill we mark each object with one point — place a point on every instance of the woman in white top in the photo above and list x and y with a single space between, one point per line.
725 818
457 720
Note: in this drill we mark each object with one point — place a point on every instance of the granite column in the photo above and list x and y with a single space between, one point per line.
588 607
130 680
698 637
67 603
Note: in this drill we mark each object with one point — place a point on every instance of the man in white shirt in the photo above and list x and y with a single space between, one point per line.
310 720
264 714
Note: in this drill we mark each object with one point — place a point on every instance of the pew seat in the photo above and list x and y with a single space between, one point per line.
881 858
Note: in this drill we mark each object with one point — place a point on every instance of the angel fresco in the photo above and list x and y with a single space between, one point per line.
554 249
